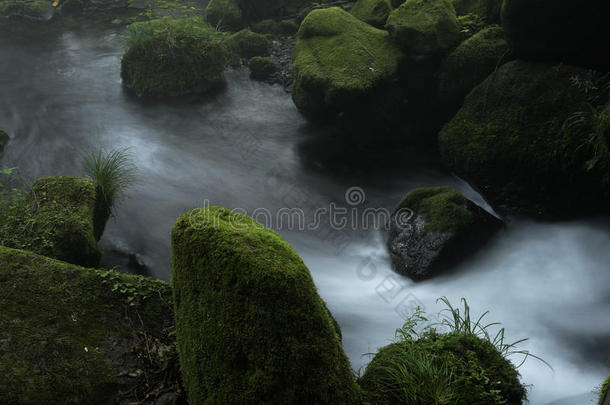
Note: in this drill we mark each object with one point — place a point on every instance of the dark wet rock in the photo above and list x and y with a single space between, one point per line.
433 229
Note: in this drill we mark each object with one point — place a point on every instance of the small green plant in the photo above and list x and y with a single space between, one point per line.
470 24
112 171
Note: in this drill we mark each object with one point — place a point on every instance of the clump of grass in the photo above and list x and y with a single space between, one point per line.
113 173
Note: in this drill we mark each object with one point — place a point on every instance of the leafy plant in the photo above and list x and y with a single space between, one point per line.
470 24
113 172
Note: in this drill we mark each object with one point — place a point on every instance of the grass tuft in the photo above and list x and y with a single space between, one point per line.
112 171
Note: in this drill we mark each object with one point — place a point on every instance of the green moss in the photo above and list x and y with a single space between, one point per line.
67 333
287 27
373 12
56 219
268 26
224 14
424 27
257 10
445 209
262 68
339 61
478 373
513 139
247 44
168 58
488 9
251 327
603 395
4 138
470 63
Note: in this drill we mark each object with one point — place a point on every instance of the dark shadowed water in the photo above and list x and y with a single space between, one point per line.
247 147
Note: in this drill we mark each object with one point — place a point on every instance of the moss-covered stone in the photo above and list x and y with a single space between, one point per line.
470 63
247 44
287 27
251 327
170 58
262 68
4 138
433 229
477 371
224 14
72 6
548 30
56 219
532 140
373 12
487 9
34 9
268 26
424 27
72 335
343 65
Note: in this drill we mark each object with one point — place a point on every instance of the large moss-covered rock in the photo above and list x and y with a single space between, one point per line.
472 369
4 138
432 229
559 31
58 218
470 63
424 28
251 327
487 9
373 12
224 14
170 58
72 335
34 9
534 138
344 66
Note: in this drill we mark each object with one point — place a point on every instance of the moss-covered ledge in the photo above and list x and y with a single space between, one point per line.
58 218
72 335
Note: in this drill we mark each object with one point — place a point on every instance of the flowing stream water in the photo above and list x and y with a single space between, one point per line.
248 147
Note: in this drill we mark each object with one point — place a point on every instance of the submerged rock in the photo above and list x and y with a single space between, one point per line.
373 12
470 63
559 31
171 58
345 67
432 229
59 218
248 316
33 9
534 138
72 335
424 28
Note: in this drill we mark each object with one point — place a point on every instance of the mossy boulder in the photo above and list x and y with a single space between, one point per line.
32 9
224 14
343 66
432 229
534 138
173 57
250 325
4 138
558 31
57 218
470 63
475 371
262 68
72 335
246 44
487 9
373 12
424 28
